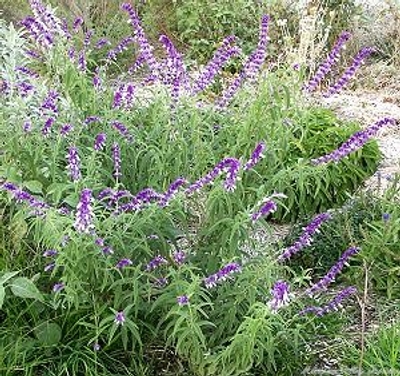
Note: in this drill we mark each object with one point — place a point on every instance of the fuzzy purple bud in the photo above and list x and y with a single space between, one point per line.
123 263
256 156
100 141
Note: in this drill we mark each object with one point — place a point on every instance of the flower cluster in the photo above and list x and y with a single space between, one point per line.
256 156
119 318
145 49
306 237
26 71
123 263
349 73
323 283
256 59
121 47
123 96
50 103
179 257
65 129
74 163
100 141
182 300
222 275
101 43
356 141
84 212
47 126
156 262
220 58
230 165
330 61
280 295
333 305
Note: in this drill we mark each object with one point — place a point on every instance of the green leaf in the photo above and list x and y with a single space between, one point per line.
2 295
6 276
34 186
48 334
25 288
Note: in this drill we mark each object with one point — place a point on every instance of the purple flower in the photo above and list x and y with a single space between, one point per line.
156 262
88 37
160 282
256 156
82 61
91 119
256 59
137 65
179 257
50 253
122 46
102 42
50 102
78 22
71 53
123 263
107 250
99 242
280 295
123 96
116 156
47 126
349 73
230 91
305 238
22 196
230 165
27 126
32 54
65 129
96 79
26 71
330 61
267 207
222 275
172 191
145 49
96 346
100 141
84 213
58 287
385 217
182 300
38 31
323 283
119 318
333 305
49 267
74 163
122 129
356 141
220 58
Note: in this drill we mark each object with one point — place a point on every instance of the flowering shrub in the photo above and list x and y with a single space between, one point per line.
137 198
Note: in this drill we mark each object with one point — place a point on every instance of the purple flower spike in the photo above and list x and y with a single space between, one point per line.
333 305
27 127
156 262
100 141
116 156
119 318
172 191
78 22
280 296
356 141
222 275
330 61
102 42
220 58
256 156
122 130
267 207
323 283
26 71
145 49
182 300
123 263
82 61
58 287
74 164
84 213
257 58
88 37
91 119
306 237
122 46
349 73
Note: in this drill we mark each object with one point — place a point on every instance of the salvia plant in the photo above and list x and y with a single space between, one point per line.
136 196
